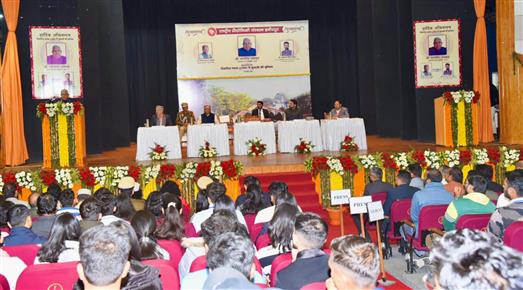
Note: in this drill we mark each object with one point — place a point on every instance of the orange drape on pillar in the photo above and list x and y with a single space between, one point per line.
481 74
15 147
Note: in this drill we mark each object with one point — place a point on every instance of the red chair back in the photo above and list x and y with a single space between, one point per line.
514 236
314 286
4 284
48 276
279 263
431 216
249 220
379 196
190 231
256 229
5 230
200 263
400 210
474 222
168 274
263 241
175 250
26 253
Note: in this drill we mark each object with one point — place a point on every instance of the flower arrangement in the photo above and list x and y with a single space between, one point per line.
47 177
256 147
207 151
368 161
452 157
401 160
509 156
150 173
64 177
115 174
87 177
348 144
100 174
453 99
216 170
51 109
304 147
158 153
480 156
188 171
417 157
25 179
433 159
167 171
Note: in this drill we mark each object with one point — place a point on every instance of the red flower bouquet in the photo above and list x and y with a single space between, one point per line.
87 177
348 144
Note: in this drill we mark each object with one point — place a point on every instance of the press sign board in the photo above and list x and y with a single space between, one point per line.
359 204
375 210
340 196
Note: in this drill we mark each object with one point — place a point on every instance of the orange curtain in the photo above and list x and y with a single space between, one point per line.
15 147
481 74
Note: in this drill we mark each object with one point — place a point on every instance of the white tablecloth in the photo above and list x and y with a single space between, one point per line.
243 132
164 136
290 132
334 131
216 134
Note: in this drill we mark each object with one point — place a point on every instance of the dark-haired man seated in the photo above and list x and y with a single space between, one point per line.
19 220
46 208
310 263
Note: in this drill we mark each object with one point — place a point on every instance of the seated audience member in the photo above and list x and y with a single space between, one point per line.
62 245
54 190
471 259
19 220
83 194
126 188
172 226
154 205
10 267
224 202
486 171
11 194
171 187
226 250
214 191
253 202
66 203
144 225
454 180
504 199
208 117
228 278
33 198
160 118
108 206
444 169
124 207
46 205
221 221
474 201
433 194
402 191
281 228
104 254
505 216
202 202
275 189
415 173
519 164
310 263
248 181
4 209
91 213
354 264
376 183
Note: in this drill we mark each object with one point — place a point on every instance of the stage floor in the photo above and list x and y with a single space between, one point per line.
279 162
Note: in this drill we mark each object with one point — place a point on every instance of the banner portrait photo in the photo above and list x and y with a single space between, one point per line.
231 66
56 62
437 53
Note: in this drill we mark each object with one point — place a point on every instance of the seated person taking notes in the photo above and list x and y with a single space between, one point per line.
208 117
160 118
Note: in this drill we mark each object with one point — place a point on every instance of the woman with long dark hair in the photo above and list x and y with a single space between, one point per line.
281 228
154 204
144 224
124 207
254 200
172 226
62 245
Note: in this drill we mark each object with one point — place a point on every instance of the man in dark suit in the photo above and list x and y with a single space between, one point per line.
376 185
402 191
310 263
160 118
260 111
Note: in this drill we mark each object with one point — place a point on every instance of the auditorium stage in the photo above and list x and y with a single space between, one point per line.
272 163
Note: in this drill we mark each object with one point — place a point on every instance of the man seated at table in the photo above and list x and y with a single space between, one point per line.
339 111
293 112
160 118
208 117
260 111
184 119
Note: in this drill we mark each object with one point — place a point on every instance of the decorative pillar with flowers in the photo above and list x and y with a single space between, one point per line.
63 134
461 110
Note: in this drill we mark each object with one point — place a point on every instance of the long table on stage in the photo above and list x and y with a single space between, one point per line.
244 132
147 137
290 132
216 134
334 131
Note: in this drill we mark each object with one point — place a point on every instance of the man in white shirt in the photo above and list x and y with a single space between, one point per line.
214 191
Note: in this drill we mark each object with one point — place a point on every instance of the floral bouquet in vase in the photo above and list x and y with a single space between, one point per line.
158 153
305 147
207 151
348 144
256 147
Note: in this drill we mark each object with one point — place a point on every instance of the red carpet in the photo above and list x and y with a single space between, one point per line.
301 185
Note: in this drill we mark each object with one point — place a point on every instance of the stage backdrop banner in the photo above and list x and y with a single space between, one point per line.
437 53
56 61
230 66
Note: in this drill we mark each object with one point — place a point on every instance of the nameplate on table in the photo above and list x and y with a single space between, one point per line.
340 196
224 119
375 210
359 204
